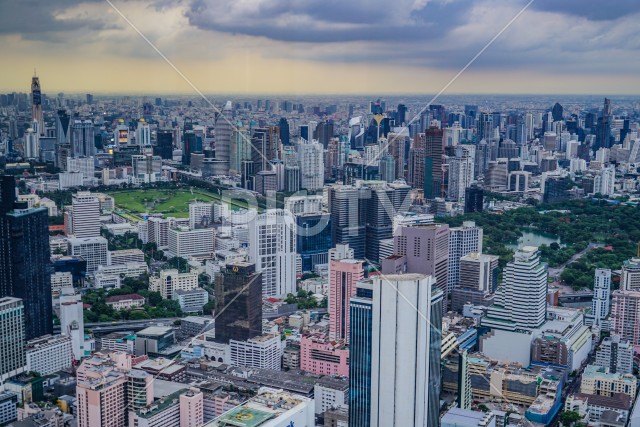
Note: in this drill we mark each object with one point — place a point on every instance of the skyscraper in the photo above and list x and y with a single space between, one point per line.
462 241
238 303
272 247
72 321
13 360
433 173
521 301
311 162
82 139
343 276
473 199
223 131
36 104
25 266
143 134
426 249
601 302
391 326
461 172
285 134
85 215
164 145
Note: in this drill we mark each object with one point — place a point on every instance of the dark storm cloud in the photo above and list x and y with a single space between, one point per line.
329 21
595 10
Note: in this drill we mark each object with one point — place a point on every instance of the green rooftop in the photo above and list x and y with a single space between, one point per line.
243 416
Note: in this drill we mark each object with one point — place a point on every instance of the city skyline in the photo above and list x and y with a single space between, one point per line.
275 47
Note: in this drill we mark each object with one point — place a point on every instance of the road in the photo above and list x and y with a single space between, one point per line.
126 325
555 272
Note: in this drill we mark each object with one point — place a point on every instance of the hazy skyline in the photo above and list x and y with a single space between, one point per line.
288 46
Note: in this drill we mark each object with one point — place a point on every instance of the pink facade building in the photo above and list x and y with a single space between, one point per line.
322 356
343 276
625 316
101 390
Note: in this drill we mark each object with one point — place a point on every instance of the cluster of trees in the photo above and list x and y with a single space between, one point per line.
577 223
155 306
305 300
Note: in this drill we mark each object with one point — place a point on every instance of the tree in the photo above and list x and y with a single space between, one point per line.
155 298
568 418
138 315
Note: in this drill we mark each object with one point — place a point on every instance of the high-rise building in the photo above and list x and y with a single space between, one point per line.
85 215
616 355
143 134
348 212
386 201
477 279
72 321
462 241
343 276
272 247
395 321
31 144
164 145
557 112
238 303
473 199
285 135
223 131
311 162
94 250
82 138
36 104
25 265
313 238
521 301
461 172
625 315
433 172
101 390
426 249
601 303
630 280
13 359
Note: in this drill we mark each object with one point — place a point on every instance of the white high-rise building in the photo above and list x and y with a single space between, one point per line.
462 241
401 342
601 303
85 216
184 241
272 247
461 171
521 301
72 321
12 350
169 281
94 250
143 134
200 213
311 161
604 183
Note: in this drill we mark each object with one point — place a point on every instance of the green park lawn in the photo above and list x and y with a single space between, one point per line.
170 202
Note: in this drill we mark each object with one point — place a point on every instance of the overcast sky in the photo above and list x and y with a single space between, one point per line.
322 46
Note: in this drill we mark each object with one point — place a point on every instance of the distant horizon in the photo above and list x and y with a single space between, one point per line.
372 95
